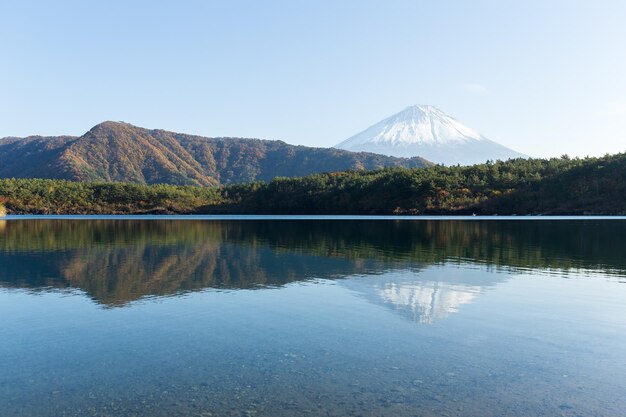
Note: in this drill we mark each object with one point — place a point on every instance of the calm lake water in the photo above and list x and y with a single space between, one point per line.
286 317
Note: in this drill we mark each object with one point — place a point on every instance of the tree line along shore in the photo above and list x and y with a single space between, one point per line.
515 187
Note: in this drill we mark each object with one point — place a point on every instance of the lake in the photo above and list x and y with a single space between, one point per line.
270 316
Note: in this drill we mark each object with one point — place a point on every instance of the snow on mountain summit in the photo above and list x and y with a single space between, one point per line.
415 124
426 131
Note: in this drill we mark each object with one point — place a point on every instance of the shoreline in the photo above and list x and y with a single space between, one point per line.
305 217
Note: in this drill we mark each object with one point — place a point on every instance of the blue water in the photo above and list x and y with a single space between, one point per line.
284 317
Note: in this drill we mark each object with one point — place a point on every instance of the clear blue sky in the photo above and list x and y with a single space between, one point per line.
543 77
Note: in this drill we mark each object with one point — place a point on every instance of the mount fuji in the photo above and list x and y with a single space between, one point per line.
428 132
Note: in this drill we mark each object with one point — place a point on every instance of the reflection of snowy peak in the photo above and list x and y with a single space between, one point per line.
425 296
428 132
428 302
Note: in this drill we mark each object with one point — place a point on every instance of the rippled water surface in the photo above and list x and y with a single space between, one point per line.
285 317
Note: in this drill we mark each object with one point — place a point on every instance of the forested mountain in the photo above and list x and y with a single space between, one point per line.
520 186
116 151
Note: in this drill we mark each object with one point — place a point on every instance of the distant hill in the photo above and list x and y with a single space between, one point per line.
116 151
430 133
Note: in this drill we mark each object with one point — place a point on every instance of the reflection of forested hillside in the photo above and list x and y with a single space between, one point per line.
118 261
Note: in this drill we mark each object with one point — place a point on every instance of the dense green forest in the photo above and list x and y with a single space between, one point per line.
520 186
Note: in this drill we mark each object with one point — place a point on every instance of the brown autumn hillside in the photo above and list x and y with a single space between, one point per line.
116 151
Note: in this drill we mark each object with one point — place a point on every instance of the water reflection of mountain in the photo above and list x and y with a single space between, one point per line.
429 302
427 296
117 261
114 276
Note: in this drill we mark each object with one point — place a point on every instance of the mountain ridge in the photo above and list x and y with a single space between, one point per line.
119 151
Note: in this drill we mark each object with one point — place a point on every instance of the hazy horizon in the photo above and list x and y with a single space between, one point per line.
542 78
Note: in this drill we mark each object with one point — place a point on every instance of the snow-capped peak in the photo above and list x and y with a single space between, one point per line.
418 124
426 131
